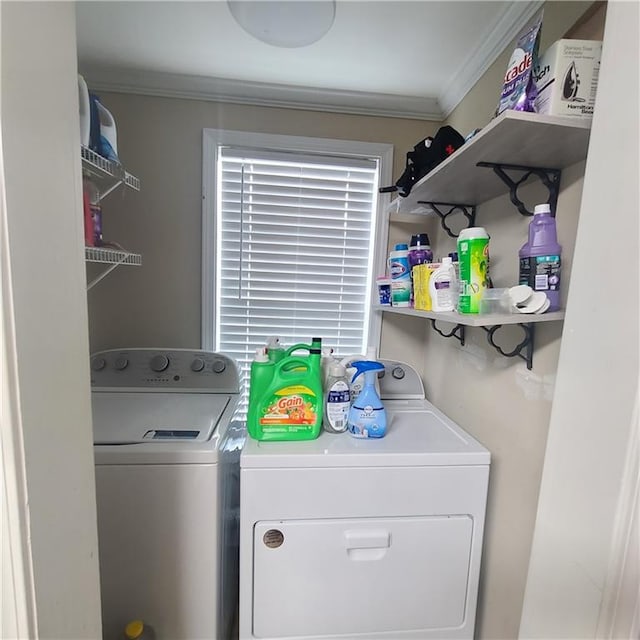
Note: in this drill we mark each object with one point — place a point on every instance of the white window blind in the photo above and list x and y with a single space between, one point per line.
295 239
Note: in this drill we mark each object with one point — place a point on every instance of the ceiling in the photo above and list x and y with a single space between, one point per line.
414 59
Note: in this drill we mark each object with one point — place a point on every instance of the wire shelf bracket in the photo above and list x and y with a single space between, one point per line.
111 257
99 167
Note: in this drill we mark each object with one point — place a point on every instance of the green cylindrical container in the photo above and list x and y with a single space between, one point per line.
473 258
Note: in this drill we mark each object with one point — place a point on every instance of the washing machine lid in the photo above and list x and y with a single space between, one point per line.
416 436
131 418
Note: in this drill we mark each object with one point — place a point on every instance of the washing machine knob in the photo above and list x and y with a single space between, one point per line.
159 363
219 366
121 363
197 365
98 364
398 373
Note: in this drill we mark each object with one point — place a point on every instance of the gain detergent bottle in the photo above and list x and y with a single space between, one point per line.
290 408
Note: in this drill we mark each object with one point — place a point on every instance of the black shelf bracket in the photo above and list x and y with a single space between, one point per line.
523 350
550 178
457 332
467 210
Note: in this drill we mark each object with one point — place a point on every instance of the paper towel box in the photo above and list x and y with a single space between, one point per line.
567 78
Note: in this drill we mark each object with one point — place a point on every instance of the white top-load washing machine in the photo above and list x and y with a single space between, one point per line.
349 538
167 482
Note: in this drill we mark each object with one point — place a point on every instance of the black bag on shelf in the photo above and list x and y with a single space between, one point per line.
426 155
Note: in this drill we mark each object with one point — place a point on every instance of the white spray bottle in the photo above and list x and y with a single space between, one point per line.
367 417
356 384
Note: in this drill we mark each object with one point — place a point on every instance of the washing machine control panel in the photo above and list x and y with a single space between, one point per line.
165 369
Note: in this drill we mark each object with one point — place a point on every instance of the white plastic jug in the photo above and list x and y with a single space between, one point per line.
85 116
108 131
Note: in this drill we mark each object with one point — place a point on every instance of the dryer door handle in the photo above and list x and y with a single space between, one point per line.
367 539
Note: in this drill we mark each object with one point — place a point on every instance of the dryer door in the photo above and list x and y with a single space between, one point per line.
339 577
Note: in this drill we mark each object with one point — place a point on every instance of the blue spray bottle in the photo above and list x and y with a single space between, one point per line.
367 417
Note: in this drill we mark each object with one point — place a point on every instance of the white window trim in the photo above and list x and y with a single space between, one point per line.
213 138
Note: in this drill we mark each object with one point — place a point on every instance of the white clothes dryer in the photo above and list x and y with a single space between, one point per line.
376 539
167 483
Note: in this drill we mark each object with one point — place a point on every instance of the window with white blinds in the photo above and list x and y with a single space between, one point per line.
295 244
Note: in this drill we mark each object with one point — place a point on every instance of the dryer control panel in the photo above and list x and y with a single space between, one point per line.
183 370
399 381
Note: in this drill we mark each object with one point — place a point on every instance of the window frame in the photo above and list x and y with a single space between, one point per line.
213 138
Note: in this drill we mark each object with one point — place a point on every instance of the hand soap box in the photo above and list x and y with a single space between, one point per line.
567 78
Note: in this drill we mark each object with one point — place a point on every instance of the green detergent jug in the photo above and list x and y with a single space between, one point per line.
291 406
259 380
316 343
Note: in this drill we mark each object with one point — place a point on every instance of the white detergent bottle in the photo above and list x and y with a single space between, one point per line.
356 384
337 400
367 417
442 287
326 360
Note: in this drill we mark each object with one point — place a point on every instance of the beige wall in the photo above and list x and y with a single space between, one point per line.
158 304
497 399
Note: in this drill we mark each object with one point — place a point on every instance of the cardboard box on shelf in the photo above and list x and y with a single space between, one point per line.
567 78
421 275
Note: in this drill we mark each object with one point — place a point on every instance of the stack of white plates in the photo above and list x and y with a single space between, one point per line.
525 300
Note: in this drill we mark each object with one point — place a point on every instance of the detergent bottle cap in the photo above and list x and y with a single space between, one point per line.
336 370
261 355
348 360
541 208
363 366
420 240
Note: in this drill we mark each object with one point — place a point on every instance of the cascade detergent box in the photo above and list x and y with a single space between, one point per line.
567 78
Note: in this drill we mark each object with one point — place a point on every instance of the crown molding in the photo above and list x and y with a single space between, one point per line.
171 85
191 87
512 19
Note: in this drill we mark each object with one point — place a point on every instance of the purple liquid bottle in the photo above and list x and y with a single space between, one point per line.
419 253
540 256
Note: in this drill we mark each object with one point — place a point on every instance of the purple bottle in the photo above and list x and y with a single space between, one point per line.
540 256
419 253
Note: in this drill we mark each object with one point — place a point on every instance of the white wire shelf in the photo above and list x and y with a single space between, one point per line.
111 257
100 167
105 255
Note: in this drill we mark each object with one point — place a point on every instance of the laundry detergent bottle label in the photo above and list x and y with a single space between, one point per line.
291 409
